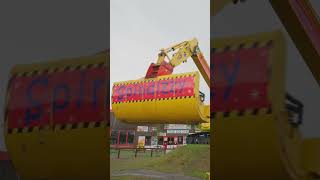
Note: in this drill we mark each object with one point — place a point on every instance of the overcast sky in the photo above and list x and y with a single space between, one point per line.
258 16
140 28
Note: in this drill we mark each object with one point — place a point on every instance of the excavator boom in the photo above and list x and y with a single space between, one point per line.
202 65
186 49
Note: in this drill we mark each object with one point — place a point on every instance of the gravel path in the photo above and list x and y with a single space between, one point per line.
153 174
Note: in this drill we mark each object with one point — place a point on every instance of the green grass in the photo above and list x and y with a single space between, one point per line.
191 160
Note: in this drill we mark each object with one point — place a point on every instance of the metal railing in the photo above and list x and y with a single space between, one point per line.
136 150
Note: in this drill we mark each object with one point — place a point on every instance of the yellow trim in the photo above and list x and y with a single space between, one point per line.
217 5
60 64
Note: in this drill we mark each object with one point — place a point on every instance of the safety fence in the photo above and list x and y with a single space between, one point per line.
117 152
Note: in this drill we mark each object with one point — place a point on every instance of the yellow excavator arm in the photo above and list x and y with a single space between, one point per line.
186 49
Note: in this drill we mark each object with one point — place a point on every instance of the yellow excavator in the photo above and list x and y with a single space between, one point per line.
262 140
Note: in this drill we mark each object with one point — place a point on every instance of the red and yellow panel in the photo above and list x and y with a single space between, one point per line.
253 138
241 78
56 119
58 98
165 99
249 72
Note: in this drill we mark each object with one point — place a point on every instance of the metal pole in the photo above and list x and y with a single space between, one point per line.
135 155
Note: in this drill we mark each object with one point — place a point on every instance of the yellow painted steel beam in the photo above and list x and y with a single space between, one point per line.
205 127
302 24
256 147
217 5
202 66
311 155
61 63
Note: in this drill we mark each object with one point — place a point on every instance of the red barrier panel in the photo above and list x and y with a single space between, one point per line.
57 98
240 79
184 87
165 88
25 102
149 90
162 88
